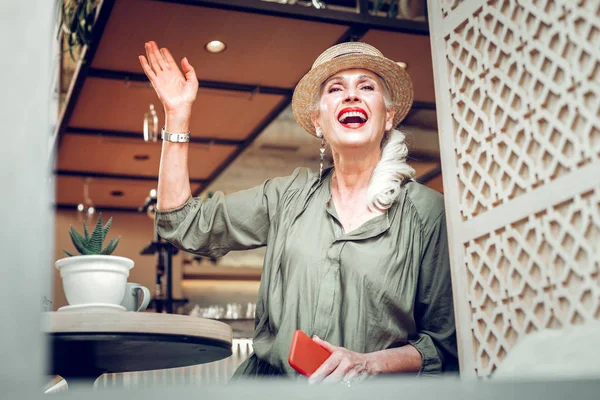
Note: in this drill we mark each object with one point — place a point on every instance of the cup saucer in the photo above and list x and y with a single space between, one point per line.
94 307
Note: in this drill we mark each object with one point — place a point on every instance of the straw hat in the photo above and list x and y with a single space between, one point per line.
346 56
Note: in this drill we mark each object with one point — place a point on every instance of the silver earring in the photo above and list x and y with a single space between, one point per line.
319 133
321 157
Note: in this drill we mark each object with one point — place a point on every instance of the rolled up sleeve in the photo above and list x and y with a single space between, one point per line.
434 312
237 221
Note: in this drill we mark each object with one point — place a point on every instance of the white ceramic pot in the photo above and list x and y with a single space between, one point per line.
94 279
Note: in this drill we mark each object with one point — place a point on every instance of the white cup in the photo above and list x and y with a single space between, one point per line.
133 293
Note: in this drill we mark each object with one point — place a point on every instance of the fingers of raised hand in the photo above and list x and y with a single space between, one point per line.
147 69
155 57
151 57
188 70
169 60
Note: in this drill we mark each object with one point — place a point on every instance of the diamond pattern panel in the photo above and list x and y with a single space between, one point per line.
449 6
540 272
525 96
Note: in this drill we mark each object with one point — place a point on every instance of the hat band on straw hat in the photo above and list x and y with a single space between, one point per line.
350 52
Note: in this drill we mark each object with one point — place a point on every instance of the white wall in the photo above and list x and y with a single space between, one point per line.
25 209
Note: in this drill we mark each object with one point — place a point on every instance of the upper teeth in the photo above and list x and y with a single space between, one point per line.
352 114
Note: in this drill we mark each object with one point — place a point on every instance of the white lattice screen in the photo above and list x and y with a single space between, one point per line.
518 99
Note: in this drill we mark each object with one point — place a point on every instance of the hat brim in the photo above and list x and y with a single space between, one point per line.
396 78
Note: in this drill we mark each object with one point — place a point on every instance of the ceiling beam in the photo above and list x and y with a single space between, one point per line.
422 156
221 272
203 84
429 175
363 7
257 131
81 70
353 34
73 207
100 175
423 179
363 20
139 136
423 105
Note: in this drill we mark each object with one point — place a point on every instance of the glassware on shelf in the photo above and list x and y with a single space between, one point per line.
230 311
195 311
150 125
86 209
234 310
250 310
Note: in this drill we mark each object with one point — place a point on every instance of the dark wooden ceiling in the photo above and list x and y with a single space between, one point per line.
242 90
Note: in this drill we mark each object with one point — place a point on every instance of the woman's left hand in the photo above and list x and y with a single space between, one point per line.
343 365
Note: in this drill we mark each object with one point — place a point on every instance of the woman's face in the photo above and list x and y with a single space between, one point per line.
352 111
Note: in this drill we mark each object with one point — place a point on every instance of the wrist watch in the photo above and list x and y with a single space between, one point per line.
174 137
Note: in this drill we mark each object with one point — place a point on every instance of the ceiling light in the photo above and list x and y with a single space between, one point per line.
215 46
141 157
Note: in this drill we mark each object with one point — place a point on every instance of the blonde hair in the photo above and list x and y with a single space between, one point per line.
392 169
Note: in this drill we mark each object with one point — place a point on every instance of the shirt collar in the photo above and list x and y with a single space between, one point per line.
371 228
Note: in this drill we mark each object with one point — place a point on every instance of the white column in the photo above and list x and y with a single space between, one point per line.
26 212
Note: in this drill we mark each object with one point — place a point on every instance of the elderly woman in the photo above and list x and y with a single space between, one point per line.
356 255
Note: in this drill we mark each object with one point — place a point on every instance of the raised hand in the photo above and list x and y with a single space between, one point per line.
176 90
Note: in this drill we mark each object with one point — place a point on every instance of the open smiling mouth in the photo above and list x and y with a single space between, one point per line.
352 117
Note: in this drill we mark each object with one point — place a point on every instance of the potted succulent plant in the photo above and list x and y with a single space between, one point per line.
76 20
95 276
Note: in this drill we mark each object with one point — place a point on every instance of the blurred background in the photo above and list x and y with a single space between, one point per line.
248 57
517 94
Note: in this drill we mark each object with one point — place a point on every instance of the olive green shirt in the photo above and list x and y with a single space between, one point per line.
383 285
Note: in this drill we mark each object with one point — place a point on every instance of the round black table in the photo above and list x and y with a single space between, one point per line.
87 345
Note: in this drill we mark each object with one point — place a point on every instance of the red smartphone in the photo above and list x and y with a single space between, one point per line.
306 355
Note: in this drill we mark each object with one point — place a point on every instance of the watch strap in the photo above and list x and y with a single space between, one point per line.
175 137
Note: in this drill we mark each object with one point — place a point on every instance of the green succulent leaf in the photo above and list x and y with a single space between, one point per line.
80 243
67 253
106 227
71 45
97 237
111 246
378 5
76 19
77 236
85 231
90 244
73 15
